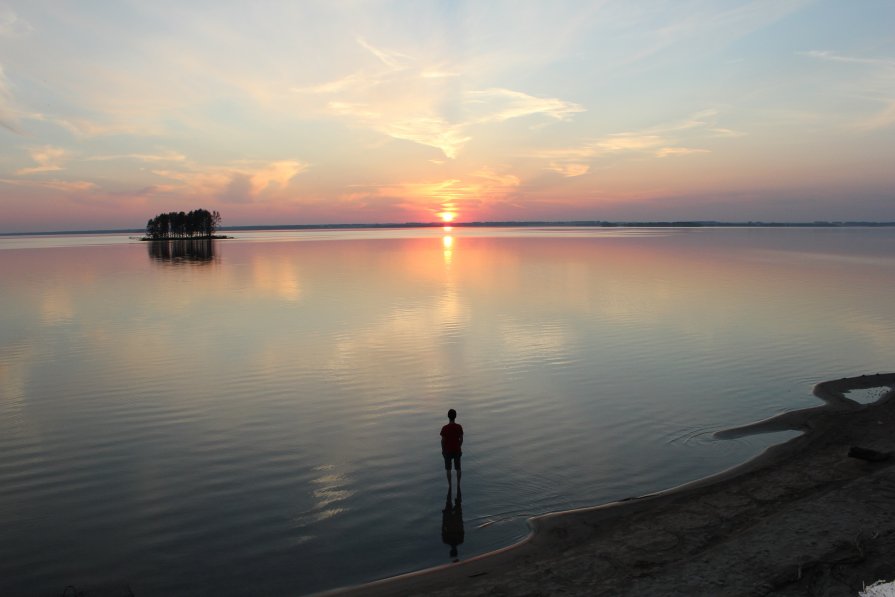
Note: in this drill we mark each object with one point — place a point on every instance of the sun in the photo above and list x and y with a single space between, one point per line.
447 216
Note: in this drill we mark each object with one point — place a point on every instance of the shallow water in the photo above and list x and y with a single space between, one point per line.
261 415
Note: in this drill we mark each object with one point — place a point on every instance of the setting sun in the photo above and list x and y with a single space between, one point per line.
447 216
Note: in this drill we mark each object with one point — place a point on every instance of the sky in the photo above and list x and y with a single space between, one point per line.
370 111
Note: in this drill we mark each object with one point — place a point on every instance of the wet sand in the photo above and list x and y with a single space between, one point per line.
801 519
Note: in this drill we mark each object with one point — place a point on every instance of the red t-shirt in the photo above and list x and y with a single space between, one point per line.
451 437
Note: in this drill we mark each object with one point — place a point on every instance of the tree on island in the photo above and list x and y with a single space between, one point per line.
199 223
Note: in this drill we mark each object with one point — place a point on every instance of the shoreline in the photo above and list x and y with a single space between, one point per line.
801 518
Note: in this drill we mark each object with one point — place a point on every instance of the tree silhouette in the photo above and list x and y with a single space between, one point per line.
199 223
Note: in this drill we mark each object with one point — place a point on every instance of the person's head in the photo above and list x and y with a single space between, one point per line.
452 414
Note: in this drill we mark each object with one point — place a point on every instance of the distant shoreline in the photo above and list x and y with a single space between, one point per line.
165 240
500 224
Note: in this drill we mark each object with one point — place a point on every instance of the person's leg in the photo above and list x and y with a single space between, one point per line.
457 467
447 469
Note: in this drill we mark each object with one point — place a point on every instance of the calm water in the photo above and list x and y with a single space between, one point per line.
261 415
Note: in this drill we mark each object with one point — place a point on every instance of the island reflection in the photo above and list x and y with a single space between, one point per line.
182 251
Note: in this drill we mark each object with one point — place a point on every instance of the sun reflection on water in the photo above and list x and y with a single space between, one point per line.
447 244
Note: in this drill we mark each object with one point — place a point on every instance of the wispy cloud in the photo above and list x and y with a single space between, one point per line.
678 151
166 156
629 141
57 185
427 130
416 101
673 138
880 120
834 57
569 170
48 159
873 79
499 105
8 114
391 59
712 28
11 24
115 122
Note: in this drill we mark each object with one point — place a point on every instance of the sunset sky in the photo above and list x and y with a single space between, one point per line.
372 111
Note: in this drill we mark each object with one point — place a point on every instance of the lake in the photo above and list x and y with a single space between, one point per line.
261 415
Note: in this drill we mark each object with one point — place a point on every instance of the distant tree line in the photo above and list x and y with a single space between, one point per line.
199 223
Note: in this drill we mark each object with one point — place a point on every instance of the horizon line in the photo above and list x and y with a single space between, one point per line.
506 224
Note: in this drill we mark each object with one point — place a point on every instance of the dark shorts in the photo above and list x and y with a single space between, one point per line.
455 456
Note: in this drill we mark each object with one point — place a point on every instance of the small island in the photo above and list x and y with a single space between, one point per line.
195 225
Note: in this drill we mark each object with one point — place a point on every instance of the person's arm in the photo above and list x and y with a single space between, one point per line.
461 436
442 439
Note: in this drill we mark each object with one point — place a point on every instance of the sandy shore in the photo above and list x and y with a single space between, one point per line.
801 519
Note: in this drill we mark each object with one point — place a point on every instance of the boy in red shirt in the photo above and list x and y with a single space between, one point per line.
451 440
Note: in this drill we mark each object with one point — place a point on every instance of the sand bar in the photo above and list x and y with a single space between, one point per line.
801 519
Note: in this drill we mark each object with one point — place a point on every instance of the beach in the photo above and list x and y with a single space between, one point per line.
803 518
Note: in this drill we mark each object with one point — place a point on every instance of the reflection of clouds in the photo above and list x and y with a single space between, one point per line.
276 276
15 364
329 495
56 307
332 489
530 341
875 332
408 340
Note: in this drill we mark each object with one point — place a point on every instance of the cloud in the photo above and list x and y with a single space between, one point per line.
8 114
673 138
118 124
48 159
499 105
432 197
876 83
882 119
64 185
569 170
238 190
722 132
635 141
167 156
58 185
833 57
275 175
240 183
12 25
496 179
641 143
431 131
424 103
709 30
677 151
393 60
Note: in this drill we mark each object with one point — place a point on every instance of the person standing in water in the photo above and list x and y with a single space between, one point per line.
451 441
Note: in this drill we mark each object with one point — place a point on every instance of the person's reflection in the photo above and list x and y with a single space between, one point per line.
452 523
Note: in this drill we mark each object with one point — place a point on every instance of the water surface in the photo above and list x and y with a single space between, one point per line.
261 415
